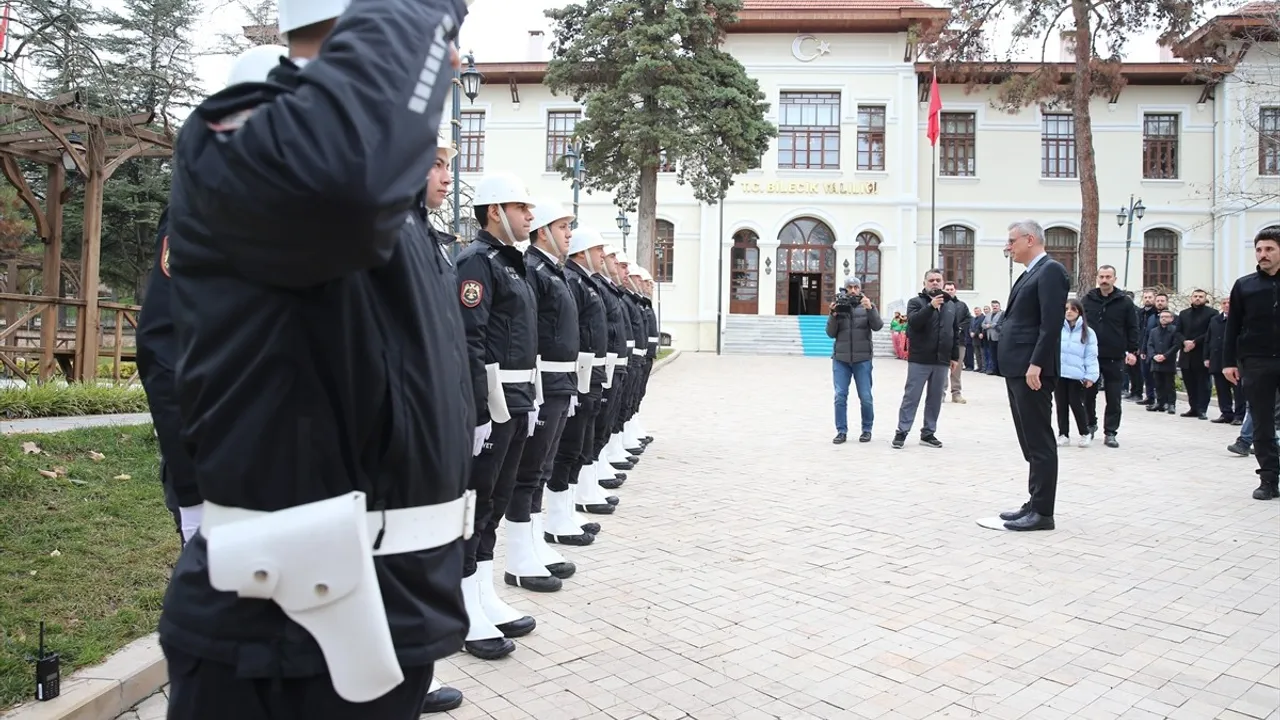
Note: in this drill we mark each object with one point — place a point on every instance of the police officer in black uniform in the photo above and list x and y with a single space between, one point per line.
586 253
642 285
640 331
500 312
589 495
301 289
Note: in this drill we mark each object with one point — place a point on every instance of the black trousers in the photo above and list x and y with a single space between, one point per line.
1069 395
643 386
1261 378
493 476
204 690
1112 382
533 459
1196 378
1135 378
1230 397
576 443
1166 394
608 415
1033 421
626 395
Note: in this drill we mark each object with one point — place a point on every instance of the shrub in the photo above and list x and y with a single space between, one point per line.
106 366
53 400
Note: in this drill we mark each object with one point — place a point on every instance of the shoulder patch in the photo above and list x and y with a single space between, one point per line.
471 293
164 256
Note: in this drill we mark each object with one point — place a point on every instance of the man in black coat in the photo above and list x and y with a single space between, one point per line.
934 329
1193 323
1230 397
1030 356
1114 320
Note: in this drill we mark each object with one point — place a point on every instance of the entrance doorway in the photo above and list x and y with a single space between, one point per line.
804 296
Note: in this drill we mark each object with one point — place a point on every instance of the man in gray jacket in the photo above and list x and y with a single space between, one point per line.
852 320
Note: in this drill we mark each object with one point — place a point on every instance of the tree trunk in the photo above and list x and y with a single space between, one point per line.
647 223
1087 258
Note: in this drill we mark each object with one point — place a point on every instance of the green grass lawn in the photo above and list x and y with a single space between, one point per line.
663 352
89 550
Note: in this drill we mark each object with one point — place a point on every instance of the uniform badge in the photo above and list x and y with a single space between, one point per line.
164 256
471 293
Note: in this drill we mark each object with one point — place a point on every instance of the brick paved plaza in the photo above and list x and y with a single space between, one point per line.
754 570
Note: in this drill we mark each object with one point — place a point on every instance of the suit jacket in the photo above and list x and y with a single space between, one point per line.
1031 326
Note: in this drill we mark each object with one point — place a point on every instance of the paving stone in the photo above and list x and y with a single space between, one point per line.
754 570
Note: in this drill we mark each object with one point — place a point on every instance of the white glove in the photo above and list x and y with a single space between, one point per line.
482 434
573 405
533 422
190 517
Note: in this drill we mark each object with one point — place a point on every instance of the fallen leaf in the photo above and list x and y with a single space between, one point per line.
96 456
55 553
60 469
122 477
49 474
30 448
32 573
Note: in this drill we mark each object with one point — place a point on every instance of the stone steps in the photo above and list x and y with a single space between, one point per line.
788 335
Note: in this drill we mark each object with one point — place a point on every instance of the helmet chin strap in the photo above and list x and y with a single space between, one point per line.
506 226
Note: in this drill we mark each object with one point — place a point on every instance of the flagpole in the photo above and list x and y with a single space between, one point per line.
933 211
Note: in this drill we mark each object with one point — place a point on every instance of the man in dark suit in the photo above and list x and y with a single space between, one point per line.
1030 343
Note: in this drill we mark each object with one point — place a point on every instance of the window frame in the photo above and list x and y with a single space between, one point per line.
827 137
557 139
1058 149
958 151
663 267
1160 151
956 255
1269 141
471 142
872 128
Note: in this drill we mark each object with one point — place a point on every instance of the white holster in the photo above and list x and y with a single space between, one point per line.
498 412
315 561
610 360
584 371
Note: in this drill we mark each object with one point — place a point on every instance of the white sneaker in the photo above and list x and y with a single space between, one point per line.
1063 441
1085 441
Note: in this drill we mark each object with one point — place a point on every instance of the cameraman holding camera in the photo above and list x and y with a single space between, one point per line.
852 320
934 327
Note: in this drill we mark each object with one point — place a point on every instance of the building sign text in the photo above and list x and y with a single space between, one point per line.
778 187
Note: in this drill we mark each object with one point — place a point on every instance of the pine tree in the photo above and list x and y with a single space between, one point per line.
1095 74
655 82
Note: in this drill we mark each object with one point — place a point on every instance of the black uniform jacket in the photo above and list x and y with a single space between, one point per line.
320 346
558 339
639 327
1253 325
157 355
651 324
593 328
500 313
616 316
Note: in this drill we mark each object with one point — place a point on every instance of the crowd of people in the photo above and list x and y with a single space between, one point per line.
1108 345
348 412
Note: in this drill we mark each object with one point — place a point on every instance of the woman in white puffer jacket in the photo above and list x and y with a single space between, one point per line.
1079 372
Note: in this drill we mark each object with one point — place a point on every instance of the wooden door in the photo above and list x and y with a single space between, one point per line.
744 274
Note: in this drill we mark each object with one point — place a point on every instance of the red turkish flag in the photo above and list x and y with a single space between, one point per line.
4 26
935 107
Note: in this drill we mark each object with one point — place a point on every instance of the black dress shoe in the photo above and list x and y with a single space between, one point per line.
1221 420
582 540
517 628
1015 514
839 439
536 583
635 451
633 459
1202 416
622 465
442 700
1190 413
590 528
1110 441
1267 491
1237 420
864 437
1031 521
1155 408
612 483
562 570
490 649
605 509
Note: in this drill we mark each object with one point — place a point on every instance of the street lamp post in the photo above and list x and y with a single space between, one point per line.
625 226
657 281
468 82
1124 219
573 158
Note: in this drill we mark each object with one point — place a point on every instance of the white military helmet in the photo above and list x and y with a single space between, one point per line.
621 256
499 189
611 250
584 238
294 14
546 212
636 271
644 275
254 64
444 143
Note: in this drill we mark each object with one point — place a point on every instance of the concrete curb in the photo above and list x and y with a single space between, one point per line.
74 422
665 361
106 691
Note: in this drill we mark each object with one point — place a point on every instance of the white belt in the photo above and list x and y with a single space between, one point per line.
557 366
622 361
404 530
637 351
512 377
653 341
631 343
599 362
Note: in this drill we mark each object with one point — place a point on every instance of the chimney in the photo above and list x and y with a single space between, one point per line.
537 46
1166 54
1067 46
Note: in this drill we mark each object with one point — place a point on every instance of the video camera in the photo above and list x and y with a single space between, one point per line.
845 302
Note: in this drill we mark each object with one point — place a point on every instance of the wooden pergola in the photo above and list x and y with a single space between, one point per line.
68 139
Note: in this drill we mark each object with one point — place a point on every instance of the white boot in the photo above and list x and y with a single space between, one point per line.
508 620
589 493
641 431
480 626
552 560
524 568
613 450
629 439
561 522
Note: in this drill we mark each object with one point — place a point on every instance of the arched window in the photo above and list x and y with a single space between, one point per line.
805 252
664 252
1160 259
744 274
956 250
1063 245
806 231
866 265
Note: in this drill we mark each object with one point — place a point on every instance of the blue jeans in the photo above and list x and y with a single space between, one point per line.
860 373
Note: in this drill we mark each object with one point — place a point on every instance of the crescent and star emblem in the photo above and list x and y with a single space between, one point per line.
797 48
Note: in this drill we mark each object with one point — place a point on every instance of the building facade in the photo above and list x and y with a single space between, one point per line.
848 186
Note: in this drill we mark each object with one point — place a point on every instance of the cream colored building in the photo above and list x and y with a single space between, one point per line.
859 201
